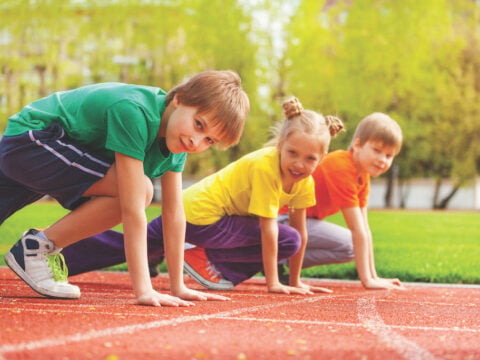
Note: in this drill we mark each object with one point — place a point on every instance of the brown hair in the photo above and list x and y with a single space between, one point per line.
381 127
217 93
305 121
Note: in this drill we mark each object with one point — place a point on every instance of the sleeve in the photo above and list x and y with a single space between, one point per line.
364 193
126 130
179 163
265 195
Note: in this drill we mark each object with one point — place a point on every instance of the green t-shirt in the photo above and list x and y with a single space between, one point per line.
106 118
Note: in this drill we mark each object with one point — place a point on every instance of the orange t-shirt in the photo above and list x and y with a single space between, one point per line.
338 185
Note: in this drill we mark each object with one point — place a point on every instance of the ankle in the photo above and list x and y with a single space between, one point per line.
55 249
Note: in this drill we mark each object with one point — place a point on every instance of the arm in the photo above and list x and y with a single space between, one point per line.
357 222
132 193
173 219
269 230
297 220
174 224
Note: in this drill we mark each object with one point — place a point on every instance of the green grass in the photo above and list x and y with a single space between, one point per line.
414 246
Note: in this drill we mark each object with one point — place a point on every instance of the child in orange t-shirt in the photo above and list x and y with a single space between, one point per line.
342 183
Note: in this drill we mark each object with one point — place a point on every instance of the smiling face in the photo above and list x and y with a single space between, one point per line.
186 131
373 157
299 156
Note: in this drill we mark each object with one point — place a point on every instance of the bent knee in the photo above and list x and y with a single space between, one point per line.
289 242
348 254
148 191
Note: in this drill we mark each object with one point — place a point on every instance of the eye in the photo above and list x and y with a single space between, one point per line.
210 141
198 124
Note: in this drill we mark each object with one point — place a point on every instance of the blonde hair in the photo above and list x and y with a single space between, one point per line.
381 127
218 93
307 122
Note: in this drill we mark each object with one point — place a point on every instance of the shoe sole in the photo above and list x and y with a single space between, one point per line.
13 265
201 280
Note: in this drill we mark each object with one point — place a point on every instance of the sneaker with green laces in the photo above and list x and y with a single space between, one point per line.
39 263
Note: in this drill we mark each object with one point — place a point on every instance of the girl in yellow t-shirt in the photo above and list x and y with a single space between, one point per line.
232 214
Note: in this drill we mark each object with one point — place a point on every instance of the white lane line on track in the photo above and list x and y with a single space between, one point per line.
289 321
373 322
95 334
359 325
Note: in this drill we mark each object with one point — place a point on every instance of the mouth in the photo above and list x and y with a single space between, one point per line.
183 146
295 174
377 170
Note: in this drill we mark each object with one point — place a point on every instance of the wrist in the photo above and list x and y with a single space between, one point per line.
177 287
273 284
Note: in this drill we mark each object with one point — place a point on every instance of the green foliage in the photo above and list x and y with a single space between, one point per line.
418 61
153 42
413 246
415 60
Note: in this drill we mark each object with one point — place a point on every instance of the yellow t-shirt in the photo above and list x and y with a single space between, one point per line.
250 186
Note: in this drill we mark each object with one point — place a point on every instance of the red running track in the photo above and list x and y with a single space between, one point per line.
423 322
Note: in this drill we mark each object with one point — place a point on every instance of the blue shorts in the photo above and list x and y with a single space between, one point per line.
46 162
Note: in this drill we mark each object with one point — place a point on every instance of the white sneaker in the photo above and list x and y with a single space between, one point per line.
39 263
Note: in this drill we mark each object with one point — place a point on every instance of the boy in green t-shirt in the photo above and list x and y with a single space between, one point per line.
94 149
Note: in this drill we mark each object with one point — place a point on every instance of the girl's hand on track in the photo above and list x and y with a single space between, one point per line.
190 294
285 289
154 298
314 289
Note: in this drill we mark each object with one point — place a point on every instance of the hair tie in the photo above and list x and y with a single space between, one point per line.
292 108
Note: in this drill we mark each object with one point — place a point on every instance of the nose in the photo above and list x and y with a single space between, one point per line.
383 159
194 142
299 165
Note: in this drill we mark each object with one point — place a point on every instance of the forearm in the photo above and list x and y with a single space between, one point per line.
373 270
297 220
296 262
173 218
270 262
135 236
362 262
174 240
269 233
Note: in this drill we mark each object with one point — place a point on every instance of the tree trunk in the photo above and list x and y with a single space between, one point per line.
436 193
389 192
442 205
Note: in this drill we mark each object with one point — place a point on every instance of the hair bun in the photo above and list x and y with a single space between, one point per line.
335 124
292 107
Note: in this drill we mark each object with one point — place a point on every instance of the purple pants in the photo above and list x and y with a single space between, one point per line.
232 244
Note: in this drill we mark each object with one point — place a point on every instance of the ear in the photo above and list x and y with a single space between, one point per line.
175 102
356 144
279 146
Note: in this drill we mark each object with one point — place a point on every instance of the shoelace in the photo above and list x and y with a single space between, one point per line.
58 267
211 270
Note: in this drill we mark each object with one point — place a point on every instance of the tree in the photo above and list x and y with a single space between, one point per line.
406 58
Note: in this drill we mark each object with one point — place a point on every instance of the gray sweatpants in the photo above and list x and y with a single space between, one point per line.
328 243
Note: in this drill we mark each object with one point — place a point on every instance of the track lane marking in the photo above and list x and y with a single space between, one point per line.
373 322
95 334
359 325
